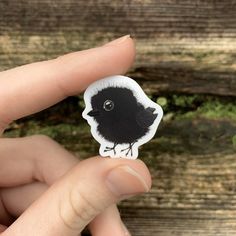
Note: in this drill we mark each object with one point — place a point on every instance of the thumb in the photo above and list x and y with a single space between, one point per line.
78 197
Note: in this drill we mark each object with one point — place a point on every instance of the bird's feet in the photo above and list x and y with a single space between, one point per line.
111 149
129 149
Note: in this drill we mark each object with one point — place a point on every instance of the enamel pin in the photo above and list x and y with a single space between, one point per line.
121 116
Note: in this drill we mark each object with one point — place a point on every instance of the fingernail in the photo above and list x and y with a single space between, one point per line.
118 41
124 180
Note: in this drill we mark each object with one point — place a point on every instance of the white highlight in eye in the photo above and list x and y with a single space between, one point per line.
108 105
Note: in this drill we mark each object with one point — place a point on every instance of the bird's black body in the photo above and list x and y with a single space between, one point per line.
120 117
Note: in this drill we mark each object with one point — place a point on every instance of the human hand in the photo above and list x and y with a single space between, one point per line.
45 190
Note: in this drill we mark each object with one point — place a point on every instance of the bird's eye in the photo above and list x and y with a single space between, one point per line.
108 105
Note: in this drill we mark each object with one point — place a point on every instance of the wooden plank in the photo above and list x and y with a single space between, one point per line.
193 167
185 79
182 46
166 222
195 198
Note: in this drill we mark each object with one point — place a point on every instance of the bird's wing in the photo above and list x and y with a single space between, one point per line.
145 117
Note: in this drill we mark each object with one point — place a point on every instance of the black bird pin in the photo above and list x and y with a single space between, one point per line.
121 116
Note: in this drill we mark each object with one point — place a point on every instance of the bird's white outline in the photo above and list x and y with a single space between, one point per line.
122 82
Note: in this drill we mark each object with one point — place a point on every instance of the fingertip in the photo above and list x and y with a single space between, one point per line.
127 45
128 54
75 71
105 164
140 167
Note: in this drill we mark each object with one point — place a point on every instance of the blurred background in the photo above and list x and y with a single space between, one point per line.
186 62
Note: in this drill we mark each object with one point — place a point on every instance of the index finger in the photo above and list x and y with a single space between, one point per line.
34 87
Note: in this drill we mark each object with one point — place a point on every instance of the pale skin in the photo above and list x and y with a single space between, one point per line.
44 189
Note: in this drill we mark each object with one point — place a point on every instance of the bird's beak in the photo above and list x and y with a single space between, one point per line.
93 113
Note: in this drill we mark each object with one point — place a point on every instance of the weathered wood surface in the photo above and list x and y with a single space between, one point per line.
193 166
182 46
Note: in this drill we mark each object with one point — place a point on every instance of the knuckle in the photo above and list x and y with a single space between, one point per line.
42 143
82 206
77 210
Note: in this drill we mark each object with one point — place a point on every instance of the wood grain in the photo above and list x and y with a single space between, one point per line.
192 195
193 167
182 46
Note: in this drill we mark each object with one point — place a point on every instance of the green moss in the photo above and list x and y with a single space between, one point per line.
183 100
81 104
54 131
162 101
12 133
214 109
183 113
191 106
